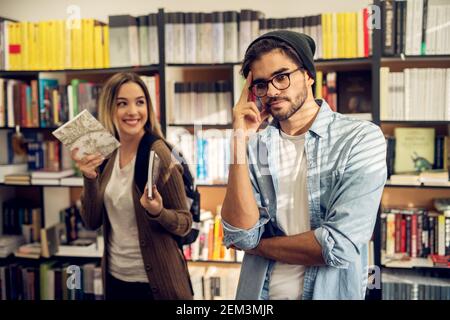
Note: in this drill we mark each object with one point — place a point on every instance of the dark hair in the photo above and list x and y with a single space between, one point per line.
264 46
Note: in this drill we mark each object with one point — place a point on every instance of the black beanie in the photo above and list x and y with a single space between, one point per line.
301 43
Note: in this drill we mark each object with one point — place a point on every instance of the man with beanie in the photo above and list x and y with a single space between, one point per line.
303 193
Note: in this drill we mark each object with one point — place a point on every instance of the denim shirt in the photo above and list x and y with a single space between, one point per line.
346 174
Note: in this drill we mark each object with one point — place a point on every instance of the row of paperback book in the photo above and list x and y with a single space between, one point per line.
415 94
48 103
410 285
220 37
201 103
415 233
49 281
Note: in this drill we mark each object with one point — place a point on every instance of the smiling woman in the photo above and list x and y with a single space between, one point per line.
141 259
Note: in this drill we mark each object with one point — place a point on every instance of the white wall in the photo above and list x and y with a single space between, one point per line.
37 10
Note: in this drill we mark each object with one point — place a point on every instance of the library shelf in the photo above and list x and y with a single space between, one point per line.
421 186
416 122
203 126
138 69
413 263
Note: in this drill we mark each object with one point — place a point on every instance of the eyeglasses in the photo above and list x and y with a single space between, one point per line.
280 81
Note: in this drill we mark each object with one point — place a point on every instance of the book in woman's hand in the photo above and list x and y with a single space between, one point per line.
154 163
87 134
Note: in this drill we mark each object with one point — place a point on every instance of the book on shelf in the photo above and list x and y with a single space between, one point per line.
18 178
415 27
18 104
21 218
213 282
53 45
123 41
72 181
45 182
412 285
87 134
415 94
414 149
49 241
441 261
209 244
30 251
222 37
48 281
206 152
201 103
414 233
48 174
9 244
354 94
427 178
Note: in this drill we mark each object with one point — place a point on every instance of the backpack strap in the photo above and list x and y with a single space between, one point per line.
142 156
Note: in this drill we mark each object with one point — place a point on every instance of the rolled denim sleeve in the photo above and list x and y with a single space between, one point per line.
351 215
245 239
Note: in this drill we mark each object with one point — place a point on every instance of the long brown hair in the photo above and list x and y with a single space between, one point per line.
107 103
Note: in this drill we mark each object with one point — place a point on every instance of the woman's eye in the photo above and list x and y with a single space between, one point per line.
121 104
140 102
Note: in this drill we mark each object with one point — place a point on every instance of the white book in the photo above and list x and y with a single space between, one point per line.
10 102
86 133
72 181
45 182
2 103
44 174
154 163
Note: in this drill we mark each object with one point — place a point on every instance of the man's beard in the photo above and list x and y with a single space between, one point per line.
295 106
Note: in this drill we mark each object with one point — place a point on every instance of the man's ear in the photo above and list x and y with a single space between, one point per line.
309 80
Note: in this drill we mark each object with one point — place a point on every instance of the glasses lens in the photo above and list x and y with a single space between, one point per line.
281 81
260 89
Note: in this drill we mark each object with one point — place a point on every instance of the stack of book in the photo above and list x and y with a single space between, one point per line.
47 177
8 169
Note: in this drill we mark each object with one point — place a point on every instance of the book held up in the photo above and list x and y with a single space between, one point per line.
87 134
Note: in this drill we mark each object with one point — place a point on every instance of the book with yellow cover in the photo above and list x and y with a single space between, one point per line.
414 149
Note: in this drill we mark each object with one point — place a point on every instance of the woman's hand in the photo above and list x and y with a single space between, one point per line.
152 205
88 164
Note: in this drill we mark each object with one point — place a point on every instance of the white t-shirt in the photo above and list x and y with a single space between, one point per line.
286 281
124 253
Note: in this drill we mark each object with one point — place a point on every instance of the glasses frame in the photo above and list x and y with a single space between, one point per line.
288 74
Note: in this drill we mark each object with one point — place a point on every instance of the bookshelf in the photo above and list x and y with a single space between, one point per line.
213 193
